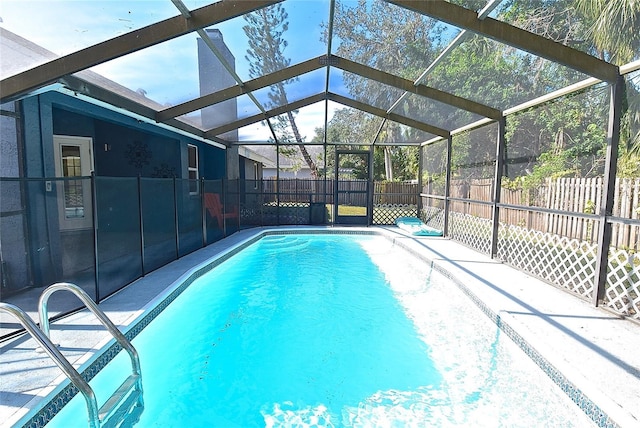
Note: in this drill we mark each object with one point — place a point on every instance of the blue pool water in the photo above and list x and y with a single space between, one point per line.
293 332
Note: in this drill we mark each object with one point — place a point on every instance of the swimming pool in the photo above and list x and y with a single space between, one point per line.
375 339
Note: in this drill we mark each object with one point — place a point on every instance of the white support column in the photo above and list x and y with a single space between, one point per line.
447 187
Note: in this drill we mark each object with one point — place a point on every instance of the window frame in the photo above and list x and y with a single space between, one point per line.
195 190
256 170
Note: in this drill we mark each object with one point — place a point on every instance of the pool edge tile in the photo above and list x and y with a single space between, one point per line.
47 412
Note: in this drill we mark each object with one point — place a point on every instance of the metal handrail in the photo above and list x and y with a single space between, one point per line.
43 312
53 352
133 381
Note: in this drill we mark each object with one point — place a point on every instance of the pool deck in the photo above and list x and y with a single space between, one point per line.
596 350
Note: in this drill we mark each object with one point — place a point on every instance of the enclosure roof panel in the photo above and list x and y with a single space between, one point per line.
513 36
127 43
269 58
419 89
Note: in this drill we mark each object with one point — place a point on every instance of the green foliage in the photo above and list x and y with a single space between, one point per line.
561 138
557 20
630 128
549 166
357 164
265 32
391 39
405 161
566 137
629 166
385 37
614 31
589 207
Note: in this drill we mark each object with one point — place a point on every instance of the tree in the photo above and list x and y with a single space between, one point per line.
347 130
265 29
392 39
565 137
615 27
615 35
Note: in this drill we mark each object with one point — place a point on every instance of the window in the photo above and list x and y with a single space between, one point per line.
193 169
73 166
73 190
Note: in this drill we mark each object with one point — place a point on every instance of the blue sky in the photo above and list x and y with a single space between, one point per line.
167 72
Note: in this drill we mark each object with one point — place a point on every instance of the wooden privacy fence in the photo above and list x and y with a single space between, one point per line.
293 190
574 195
300 190
395 193
578 195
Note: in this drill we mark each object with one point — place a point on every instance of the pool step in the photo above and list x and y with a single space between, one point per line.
125 390
274 240
284 243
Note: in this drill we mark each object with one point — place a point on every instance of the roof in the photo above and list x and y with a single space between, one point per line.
20 55
292 159
317 70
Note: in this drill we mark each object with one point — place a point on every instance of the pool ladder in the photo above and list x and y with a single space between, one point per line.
112 413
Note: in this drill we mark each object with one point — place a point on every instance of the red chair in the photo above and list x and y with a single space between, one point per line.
214 207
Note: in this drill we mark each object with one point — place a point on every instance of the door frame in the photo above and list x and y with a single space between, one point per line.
364 220
85 145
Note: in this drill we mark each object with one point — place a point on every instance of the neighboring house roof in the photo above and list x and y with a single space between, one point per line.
20 54
253 155
267 155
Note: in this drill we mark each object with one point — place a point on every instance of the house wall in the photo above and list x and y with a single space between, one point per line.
122 147
250 193
247 169
14 272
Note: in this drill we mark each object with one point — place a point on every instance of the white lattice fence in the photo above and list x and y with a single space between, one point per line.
623 283
433 217
470 230
388 213
563 261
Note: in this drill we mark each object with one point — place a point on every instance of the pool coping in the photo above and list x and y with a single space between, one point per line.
506 322
580 390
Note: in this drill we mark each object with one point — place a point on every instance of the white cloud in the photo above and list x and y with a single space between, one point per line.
65 26
167 72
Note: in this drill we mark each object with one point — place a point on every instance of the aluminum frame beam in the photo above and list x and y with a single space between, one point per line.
513 36
260 117
211 133
501 144
461 37
616 95
80 86
238 90
15 86
420 89
230 69
332 11
390 116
